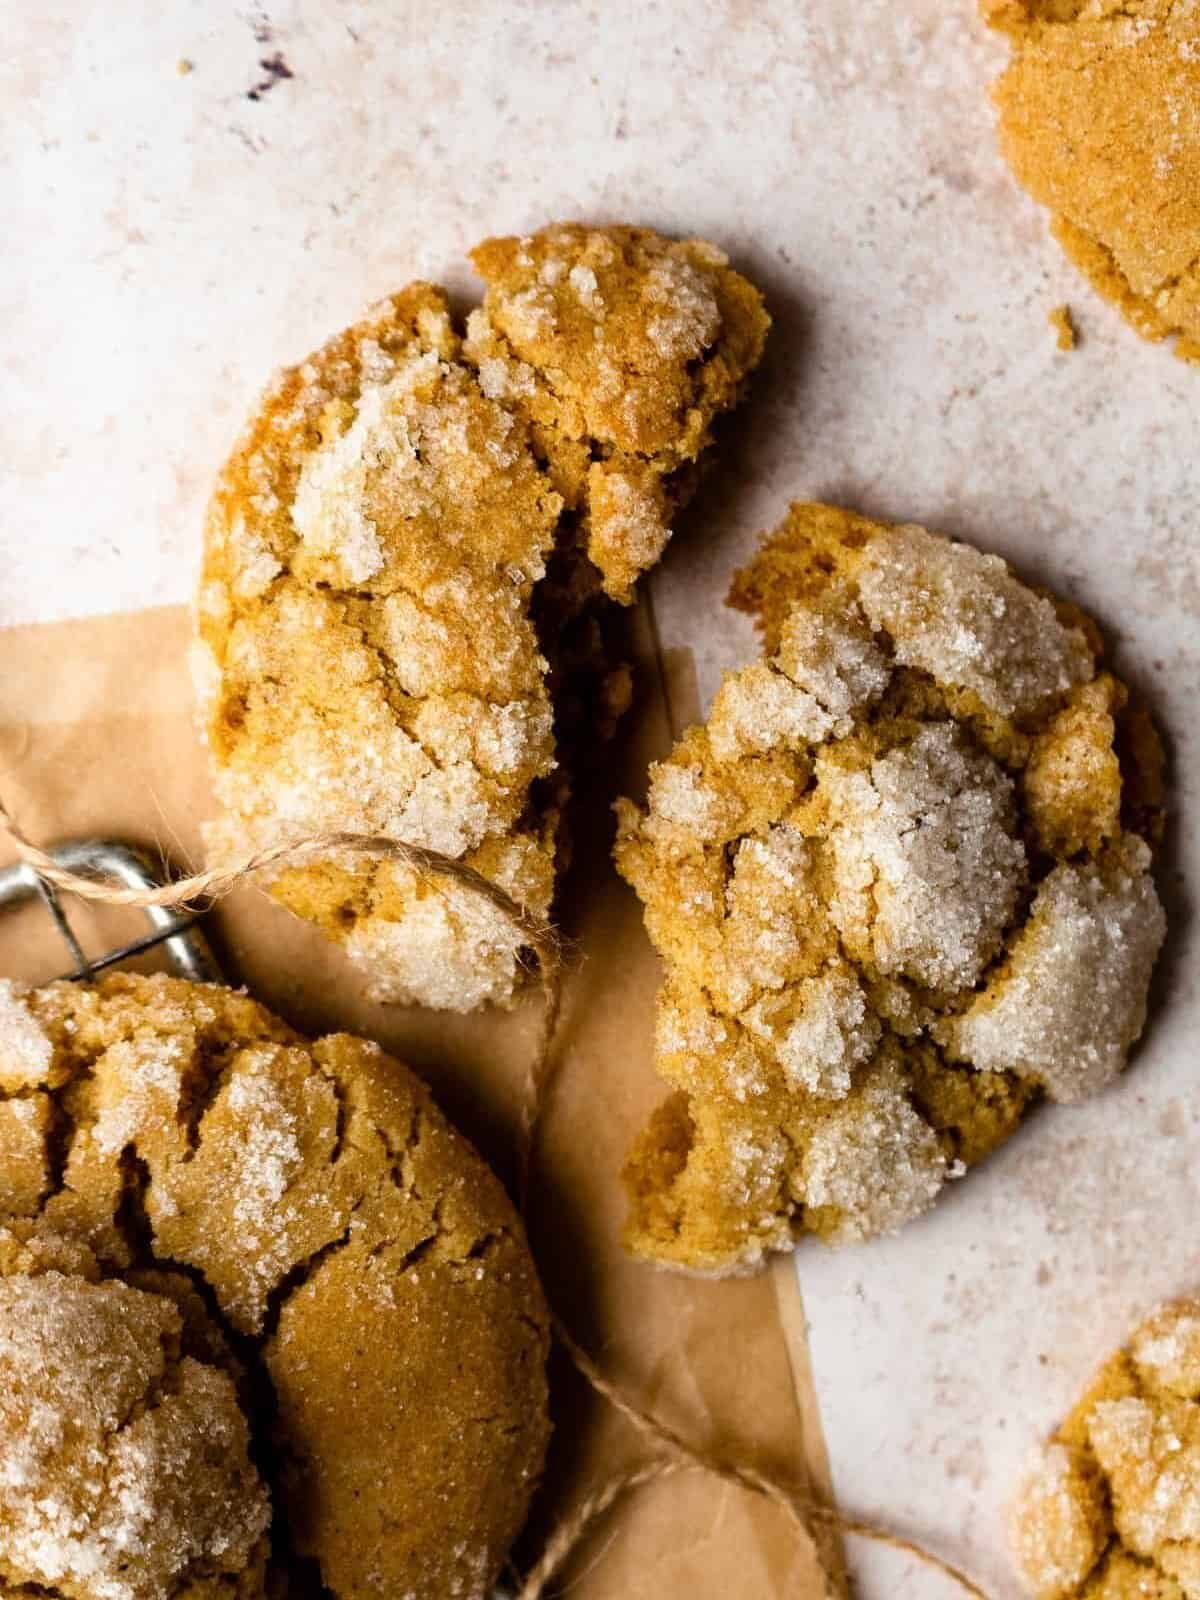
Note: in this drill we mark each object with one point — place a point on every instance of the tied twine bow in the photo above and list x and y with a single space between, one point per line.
673 1454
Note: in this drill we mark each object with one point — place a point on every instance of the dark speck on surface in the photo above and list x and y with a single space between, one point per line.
275 70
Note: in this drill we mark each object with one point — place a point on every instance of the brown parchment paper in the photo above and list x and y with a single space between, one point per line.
96 738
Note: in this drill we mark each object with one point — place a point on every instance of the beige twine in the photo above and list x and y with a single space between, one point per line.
676 1454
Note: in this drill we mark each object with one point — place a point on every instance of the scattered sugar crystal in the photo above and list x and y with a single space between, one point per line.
755 1161
628 525
926 868
270 1150
92 1502
742 1072
679 795
758 709
1151 1456
686 1025
529 315
329 509
686 316
377 365
497 738
1073 997
831 654
25 1049
448 811
505 380
146 1078
583 280
451 950
1166 1350
252 566
961 616
768 904
820 1031
874 1161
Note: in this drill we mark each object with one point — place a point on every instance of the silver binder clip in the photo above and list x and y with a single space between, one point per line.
178 933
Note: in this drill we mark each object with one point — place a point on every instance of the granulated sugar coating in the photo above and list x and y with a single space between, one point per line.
1100 120
405 559
205 1172
1111 1511
125 1470
901 886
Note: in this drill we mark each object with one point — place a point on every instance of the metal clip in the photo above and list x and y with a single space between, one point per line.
184 945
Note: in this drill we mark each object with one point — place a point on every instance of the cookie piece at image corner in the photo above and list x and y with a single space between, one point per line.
409 562
900 883
1111 1507
1100 121
224 1210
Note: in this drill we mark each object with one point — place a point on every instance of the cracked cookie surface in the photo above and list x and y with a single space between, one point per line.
357 1254
403 575
1100 121
900 881
1111 1511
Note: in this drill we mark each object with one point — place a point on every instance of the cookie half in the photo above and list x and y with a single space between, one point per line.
900 882
409 560
360 1261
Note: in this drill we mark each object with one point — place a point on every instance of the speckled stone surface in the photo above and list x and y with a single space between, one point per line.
174 234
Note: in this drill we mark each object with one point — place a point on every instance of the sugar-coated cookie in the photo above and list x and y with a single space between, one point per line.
900 881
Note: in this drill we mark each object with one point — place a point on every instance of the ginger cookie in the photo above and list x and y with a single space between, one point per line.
1112 1509
239 1235
409 559
900 882
1100 120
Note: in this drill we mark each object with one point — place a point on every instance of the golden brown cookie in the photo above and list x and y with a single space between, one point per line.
1112 1509
1100 120
900 882
398 619
364 1264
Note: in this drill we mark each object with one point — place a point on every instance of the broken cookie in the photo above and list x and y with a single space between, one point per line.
900 882
401 612
211 1181
1112 1509
1100 120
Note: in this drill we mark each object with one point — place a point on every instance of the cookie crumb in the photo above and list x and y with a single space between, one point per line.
1061 319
